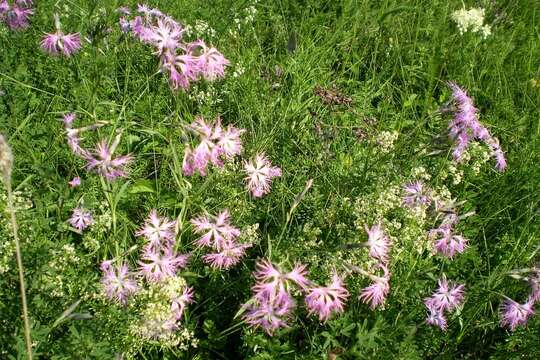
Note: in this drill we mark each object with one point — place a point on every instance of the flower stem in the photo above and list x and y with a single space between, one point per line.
11 209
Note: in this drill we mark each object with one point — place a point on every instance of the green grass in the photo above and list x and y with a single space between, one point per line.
392 58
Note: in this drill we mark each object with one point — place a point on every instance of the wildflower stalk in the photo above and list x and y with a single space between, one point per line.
6 162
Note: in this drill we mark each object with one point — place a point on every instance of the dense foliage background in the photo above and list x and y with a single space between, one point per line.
319 86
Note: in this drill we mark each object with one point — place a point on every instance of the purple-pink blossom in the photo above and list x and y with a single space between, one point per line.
465 127
60 43
157 266
417 194
447 297
76 181
446 242
117 282
17 15
179 303
269 314
229 255
81 218
260 173
103 162
327 300
514 314
436 318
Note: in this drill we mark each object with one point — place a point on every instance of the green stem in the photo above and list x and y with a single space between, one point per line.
11 209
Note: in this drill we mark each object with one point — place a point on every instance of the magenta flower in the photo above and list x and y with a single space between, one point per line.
103 162
378 242
217 232
446 298
416 194
159 231
81 219
76 181
16 16
326 300
514 314
436 318
465 126
157 266
117 283
229 256
375 294
259 175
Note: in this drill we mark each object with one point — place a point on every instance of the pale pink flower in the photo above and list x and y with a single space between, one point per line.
157 266
446 242
326 300
446 298
159 231
76 181
104 164
514 314
117 283
81 219
211 62
165 36
375 294
416 194
259 175
216 232
229 256
378 242
16 16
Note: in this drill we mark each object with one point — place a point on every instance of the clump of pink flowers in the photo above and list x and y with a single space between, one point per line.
17 15
514 314
159 260
466 127
216 145
218 234
272 304
183 61
445 241
60 43
446 298
259 175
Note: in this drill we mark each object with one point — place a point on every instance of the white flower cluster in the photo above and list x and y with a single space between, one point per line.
385 140
471 20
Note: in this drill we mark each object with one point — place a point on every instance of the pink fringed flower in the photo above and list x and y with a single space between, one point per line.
378 242
514 314
416 194
73 134
229 256
465 127
327 300
436 318
178 304
375 294
16 16
104 164
260 173
216 232
446 298
117 283
269 314
157 266
158 230
81 219
210 61
59 43
446 242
